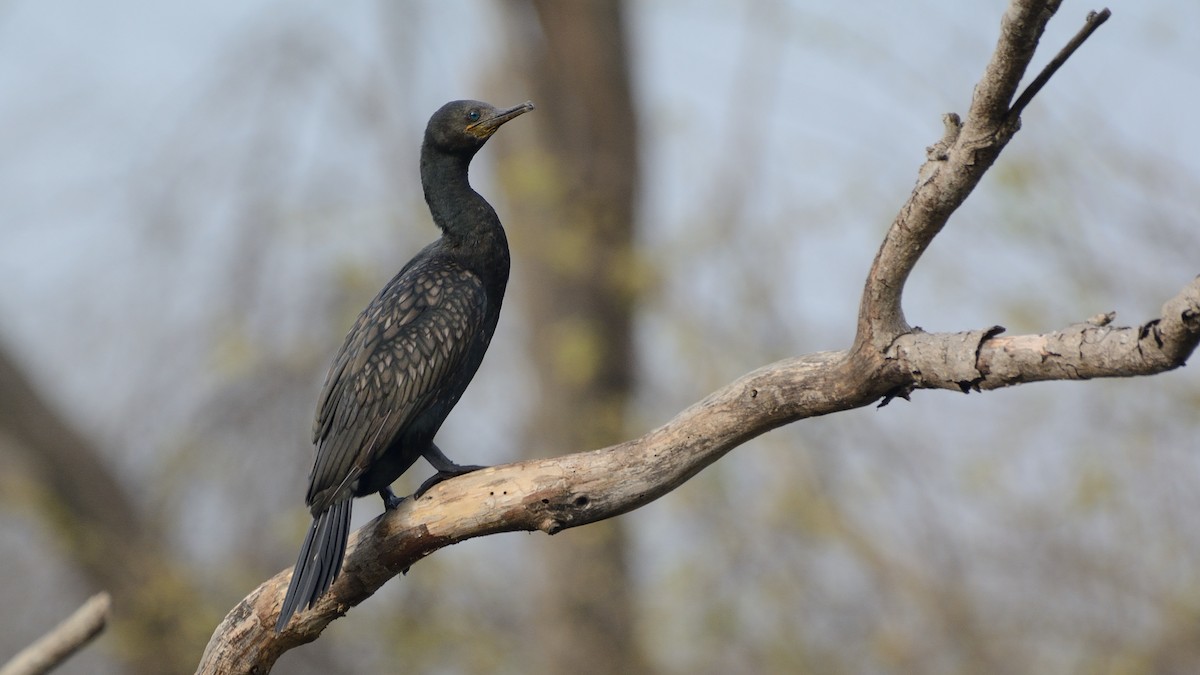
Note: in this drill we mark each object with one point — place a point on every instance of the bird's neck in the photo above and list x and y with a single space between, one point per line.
471 230
463 215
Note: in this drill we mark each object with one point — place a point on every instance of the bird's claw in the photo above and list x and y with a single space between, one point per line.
441 475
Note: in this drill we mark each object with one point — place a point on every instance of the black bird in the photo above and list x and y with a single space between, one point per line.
410 354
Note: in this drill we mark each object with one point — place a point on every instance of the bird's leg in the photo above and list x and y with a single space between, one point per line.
433 454
445 468
390 501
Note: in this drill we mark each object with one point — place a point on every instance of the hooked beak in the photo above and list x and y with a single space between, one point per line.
484 128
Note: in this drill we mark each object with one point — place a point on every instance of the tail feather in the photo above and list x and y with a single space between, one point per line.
319 562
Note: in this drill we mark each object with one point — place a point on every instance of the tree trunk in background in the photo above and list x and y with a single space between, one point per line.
574 246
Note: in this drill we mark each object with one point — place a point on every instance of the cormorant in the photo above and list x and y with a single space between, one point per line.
410 354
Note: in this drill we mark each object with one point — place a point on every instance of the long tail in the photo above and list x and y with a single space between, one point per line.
320 560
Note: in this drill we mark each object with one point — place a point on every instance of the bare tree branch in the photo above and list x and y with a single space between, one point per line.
1094 21
887 359
1078 352
68 637
955 164
554 494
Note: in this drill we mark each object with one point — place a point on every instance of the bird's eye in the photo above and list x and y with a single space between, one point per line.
473 115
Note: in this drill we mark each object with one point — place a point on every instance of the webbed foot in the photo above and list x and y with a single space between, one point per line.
459 469
390 501
445 469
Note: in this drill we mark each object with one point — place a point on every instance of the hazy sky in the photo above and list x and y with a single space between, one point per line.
88 90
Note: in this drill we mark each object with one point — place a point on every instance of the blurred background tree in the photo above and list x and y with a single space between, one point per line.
573 191
198 199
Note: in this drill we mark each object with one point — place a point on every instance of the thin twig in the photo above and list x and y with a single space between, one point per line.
1094 21
67 638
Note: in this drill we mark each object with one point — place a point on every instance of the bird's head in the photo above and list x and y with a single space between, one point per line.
462 127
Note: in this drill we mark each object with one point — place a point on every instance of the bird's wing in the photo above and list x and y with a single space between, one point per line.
402 349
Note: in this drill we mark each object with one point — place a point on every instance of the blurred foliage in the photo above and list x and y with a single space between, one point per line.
183 310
